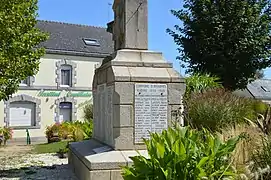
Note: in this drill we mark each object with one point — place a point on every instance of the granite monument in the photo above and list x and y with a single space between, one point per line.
135 92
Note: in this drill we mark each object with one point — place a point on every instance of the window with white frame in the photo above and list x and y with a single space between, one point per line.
66 75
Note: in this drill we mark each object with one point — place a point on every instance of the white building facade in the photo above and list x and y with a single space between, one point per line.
63 84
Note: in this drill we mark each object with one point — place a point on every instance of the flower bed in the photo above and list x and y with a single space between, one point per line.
73 131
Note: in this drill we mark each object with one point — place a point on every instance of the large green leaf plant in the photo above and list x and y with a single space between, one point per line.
182 153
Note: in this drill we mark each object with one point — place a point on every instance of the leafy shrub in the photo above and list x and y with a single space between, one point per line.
65 131
200 83
75 131
62 152
82 130
217 108
52 133
88 111
5 134
87 127
77 134
183 153
260 107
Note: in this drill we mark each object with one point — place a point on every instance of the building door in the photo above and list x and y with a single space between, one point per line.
22 114
65 111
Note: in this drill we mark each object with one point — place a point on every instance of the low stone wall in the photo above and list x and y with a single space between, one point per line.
89 165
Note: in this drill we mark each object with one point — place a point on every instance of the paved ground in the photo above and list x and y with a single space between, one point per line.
18 163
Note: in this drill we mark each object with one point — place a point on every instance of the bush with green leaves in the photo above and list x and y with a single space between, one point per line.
200 83
88 111
52 133
217 108
5 135
81 130
74 131
183 153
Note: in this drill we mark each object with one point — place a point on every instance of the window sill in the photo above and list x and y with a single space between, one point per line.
24 127
23 85
65 86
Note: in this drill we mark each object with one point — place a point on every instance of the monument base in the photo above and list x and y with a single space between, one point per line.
92 160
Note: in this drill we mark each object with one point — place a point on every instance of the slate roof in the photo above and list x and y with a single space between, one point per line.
260 89
67 38
243 93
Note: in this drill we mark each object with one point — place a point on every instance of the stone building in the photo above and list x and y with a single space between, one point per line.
64 81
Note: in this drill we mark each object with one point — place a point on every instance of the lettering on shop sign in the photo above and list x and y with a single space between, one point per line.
150 110
44 93
79 94
49 93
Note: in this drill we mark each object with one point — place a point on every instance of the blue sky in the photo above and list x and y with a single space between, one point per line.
98 13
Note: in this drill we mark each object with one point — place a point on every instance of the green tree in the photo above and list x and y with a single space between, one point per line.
19 40
228 39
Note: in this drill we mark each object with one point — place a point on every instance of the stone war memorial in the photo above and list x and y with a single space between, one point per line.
135 92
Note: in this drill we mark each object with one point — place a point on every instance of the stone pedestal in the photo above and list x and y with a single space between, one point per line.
87 164
134 91
116 89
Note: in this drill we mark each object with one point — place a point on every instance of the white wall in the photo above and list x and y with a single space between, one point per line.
46 78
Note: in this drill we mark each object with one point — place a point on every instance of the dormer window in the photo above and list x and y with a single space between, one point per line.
91 42
265 89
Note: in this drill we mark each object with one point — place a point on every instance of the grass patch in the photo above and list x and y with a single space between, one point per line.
50 148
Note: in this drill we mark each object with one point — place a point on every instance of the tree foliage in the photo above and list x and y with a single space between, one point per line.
228 39
19 38
259 74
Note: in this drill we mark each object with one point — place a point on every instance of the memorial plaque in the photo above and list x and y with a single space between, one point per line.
150 109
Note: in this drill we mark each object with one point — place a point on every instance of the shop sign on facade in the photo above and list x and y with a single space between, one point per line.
45 93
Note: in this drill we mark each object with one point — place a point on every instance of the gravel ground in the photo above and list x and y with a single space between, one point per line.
20 164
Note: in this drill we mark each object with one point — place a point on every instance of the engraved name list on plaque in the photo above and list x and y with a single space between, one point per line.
150 109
